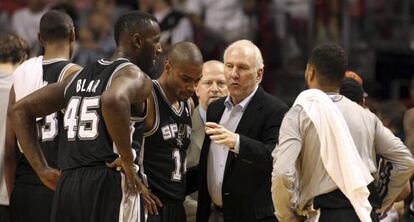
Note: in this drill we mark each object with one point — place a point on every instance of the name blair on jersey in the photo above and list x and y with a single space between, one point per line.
80 85
169 131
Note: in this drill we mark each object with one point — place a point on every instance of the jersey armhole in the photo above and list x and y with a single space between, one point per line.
157 116
64 70
143 116
119 67
71 81
190 107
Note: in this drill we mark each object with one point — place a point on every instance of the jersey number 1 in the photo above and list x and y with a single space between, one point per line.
176 175
87 126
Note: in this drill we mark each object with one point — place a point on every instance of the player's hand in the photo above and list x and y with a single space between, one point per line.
116 164
132 181
49 177
220 135
151 201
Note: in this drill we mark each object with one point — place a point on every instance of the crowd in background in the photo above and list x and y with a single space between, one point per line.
284 30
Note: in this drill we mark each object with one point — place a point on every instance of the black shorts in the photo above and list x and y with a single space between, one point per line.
94 194
4 213
30 202
172 211
334 206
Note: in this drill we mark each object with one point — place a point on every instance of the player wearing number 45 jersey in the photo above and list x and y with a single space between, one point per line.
56 35
168 129
103 106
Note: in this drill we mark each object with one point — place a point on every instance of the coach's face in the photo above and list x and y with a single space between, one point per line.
151 47
242 75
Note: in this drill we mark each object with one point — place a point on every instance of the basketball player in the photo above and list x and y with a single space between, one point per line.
56 35
103 109
168 129
13 51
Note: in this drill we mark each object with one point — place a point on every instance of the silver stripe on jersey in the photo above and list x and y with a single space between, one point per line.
141 162
107 62
50 61
71 81
63 72
157 116
178 112
141 118
122 65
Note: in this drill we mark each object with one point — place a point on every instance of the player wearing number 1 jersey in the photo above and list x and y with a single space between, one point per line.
28 192
168 129
103 104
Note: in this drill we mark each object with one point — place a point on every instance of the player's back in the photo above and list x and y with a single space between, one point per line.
85 140
53 71
165 147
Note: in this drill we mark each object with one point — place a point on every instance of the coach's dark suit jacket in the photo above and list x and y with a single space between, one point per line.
247 176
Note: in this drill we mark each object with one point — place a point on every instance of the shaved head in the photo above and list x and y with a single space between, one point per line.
213 66
212 84
182 70
185 53
55 26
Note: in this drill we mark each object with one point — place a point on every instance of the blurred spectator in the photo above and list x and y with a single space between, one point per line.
68 8
351 89
4 22
13 51
391 114
225 18
95 39
10 6
175 26
25 21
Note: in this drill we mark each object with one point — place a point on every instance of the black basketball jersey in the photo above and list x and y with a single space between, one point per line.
164 148
86 141
53 71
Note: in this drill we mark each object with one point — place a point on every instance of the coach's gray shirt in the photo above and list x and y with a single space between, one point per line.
299 174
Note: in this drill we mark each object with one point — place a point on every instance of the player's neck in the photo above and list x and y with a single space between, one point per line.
54 51
119 53
168 93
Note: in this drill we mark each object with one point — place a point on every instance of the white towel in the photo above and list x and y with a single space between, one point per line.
338 152
28 77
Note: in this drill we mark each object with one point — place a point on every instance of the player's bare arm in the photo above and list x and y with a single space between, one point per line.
150 119
129 86
10 148
11 145
23 117
71 71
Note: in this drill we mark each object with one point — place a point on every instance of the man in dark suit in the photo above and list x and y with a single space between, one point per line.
235 163
211 87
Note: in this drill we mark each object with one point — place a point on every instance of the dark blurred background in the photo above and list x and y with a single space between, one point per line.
377 34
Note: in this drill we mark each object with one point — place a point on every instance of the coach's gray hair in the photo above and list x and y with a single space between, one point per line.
249 44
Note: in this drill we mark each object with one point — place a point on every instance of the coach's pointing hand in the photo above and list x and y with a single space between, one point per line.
220 135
